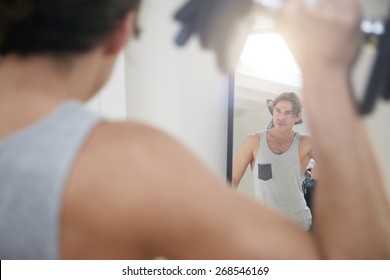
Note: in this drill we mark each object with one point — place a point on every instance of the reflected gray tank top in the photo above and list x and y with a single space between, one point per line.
278 181
34 166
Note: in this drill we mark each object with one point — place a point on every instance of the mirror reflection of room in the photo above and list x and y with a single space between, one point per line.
273 172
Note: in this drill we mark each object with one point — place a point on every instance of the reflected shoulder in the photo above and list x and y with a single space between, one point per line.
307 140
306 145
253 138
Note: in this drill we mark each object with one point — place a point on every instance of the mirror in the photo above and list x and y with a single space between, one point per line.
266 69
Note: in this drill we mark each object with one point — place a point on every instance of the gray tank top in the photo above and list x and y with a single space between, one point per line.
34 166
278 179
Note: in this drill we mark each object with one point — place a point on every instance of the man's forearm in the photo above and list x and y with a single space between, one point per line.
351 197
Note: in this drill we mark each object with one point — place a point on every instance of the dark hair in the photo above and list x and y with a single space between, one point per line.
291 97
58 26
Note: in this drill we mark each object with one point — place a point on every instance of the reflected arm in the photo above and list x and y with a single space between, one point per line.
308 143
244 158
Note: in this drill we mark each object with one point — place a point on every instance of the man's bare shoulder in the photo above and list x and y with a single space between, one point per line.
306 147
134 154
306 142
306 138
126 150
253 139
123 171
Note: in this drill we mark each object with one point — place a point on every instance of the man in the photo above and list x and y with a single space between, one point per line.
278 158
74 186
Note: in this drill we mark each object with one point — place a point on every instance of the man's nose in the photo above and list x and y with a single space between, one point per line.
281 116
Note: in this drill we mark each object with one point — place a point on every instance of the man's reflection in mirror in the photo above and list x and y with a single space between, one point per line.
279 157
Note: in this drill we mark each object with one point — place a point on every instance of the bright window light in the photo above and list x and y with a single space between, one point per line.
267 56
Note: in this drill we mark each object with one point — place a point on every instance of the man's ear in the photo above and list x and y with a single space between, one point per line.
299 121
270 105
118 38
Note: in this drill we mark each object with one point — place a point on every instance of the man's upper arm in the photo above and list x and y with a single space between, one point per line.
244 157
310 154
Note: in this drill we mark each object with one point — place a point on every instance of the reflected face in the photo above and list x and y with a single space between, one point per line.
283 115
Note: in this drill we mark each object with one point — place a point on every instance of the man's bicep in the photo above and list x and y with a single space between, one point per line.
242 160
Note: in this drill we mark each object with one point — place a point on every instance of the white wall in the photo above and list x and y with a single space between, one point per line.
179 90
